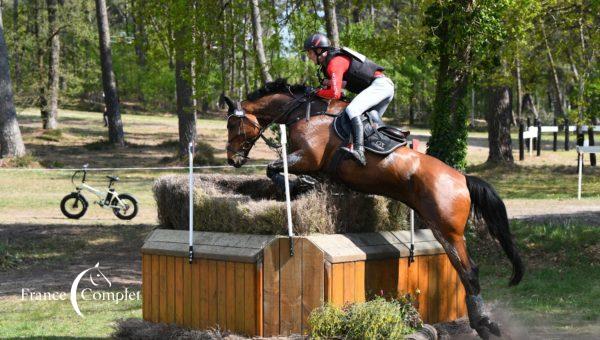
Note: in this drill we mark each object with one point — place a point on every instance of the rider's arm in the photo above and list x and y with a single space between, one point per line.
336 69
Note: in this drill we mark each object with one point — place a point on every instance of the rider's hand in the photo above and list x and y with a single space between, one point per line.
310 91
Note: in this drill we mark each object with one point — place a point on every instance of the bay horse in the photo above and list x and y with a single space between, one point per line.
441 195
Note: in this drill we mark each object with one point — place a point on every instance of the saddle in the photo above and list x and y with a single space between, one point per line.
379 138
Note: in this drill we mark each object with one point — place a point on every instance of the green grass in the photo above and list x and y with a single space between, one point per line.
50 319
539 182
562 273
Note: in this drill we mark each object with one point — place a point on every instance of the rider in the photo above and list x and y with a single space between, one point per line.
345 67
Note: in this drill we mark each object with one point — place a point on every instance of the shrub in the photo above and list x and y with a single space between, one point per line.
375 319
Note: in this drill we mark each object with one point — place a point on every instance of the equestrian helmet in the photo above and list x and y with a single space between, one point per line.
317 40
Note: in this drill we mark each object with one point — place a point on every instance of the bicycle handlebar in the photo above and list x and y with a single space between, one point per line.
84 170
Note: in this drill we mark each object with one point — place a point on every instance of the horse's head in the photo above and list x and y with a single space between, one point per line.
243 129
247 120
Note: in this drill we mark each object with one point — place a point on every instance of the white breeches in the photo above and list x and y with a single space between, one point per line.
375 97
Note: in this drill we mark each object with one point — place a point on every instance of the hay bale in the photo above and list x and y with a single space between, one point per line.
252 204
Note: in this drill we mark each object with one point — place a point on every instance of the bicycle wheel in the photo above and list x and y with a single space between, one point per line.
128 209
74 205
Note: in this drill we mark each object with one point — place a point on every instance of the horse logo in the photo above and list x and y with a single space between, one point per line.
99 275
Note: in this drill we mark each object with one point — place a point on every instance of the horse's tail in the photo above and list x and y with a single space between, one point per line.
487 205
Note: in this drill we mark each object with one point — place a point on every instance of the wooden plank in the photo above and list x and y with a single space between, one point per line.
423 284
203 294
413 278
349 282
170 290
259 300
390 277
196 304
443 304
239 297
177 304
187 291
155 304
337 284
146 287
230 296
328 286
213 302
271 289
312 280
163 289
290 290
433 300
403 276
222 294
360 294
453 283
250 298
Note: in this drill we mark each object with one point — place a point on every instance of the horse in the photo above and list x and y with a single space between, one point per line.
442 196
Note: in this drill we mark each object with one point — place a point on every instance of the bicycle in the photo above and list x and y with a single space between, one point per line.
75 205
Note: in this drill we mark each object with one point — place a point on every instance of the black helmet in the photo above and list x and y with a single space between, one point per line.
317 40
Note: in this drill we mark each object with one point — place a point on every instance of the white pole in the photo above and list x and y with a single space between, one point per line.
191 200
288 201
580 154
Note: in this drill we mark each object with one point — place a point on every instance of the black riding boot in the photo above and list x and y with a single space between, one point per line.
358 151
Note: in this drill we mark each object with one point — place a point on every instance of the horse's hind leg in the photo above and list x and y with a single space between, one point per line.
456 249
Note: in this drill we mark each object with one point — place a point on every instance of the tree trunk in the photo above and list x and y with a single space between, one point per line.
185 107
49 117
258 43
17 54
558 107
245 57
41 68
11 142
519 88
528 105
498 117
232 60
331 22
111 97
140 37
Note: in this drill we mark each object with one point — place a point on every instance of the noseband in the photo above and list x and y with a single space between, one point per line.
248 143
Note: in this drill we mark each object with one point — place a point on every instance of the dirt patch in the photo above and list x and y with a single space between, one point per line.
45 267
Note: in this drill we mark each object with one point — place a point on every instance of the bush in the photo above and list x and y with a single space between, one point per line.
375 319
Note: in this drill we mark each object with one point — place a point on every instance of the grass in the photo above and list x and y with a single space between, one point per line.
560 288
540 182
56 319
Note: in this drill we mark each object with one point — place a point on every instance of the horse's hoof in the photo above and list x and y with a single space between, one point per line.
483 332
494 329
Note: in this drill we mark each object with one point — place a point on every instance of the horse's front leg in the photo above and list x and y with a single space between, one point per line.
297 164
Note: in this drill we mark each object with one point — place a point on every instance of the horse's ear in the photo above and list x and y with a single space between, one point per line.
223 99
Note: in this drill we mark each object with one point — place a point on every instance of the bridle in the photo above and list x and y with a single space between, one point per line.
248 143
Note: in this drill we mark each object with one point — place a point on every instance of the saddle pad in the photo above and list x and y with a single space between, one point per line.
375 141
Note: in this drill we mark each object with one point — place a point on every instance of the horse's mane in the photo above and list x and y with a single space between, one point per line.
278 86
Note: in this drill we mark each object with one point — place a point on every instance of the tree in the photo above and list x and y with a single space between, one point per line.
258 42
331 22
50 111
463 34
186 112
498 117
11 142
111 99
